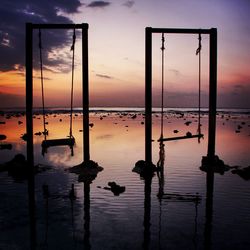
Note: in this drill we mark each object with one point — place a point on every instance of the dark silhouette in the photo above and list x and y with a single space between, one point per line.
212 85
209 210
86 225
147 211
29 82
19 168
244 173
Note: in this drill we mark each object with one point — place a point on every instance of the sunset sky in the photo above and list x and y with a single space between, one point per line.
116 51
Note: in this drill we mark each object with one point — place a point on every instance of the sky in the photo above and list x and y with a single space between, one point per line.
117 51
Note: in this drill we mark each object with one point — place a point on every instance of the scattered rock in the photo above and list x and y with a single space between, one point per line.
176 131
187 123
5 146
243 173
143 169
216 165
19 169
115 188
24 137
87 171
239 127
2 137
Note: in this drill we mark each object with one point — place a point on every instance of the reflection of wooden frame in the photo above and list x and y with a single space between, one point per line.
29 84
212 85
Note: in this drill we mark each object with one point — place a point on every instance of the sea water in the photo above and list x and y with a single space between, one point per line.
137 218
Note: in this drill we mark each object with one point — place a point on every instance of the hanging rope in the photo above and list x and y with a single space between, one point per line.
72 83
198 52
160 163
45 131
162 81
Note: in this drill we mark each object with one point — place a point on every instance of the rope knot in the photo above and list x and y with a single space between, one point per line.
162 42
199 46
74 40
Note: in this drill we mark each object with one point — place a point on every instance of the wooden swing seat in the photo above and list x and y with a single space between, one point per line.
58 142
180 137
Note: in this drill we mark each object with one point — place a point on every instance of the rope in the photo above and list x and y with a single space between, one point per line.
162 82
72 83
45 131
198 52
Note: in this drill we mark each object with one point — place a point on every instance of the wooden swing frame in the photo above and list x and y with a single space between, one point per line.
29 85
149 31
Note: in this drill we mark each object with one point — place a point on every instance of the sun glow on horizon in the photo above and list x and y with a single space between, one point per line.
117 54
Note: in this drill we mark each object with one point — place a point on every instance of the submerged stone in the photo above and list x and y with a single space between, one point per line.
87 171
5 146
214 164
115 188
2 137
243 173
144 169
19 168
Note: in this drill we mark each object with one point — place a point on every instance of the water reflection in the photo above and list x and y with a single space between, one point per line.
163 219
209 210
147 212
86 226
32 208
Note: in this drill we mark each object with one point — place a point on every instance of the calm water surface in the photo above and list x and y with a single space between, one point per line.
137 218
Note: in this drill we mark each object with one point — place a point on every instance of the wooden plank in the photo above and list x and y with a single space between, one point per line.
58 142
181 30
60 26
180 137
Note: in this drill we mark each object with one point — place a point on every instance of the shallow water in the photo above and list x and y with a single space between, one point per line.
137 218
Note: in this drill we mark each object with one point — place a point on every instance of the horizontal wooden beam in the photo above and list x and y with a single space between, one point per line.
181 137
179 30
59 26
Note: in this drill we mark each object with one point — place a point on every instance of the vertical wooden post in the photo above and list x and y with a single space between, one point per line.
29 132
148 95
85 92
212 93
29 94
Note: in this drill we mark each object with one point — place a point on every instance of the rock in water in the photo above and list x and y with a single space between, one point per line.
2 137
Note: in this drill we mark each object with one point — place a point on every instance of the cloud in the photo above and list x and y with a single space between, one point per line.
98 4
104 76
129 4
14 14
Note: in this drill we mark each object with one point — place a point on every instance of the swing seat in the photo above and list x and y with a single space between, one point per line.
58 142
180 137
